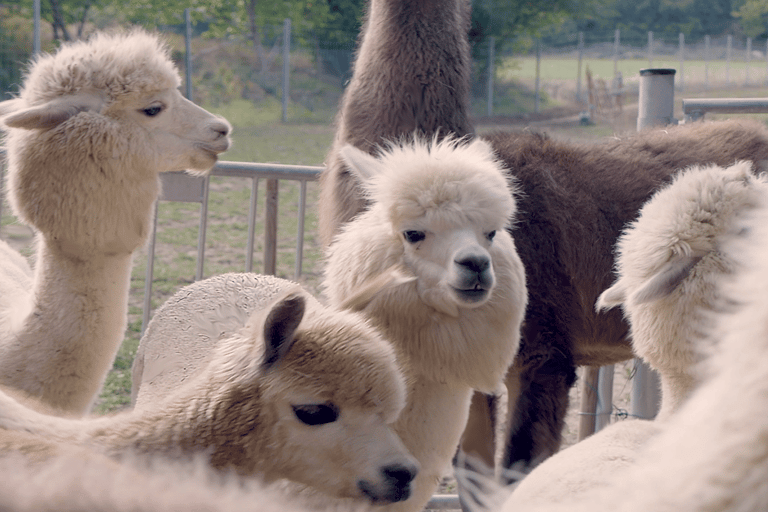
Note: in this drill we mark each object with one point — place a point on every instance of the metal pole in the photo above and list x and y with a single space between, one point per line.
286 66
538 76
706 61
650 49
491 73
616 53
749 58
682 60
728 47
604 397
36 40
657 97
589 379
646 391
188 56
578 76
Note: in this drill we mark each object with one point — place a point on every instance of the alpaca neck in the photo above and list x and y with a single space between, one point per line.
68 342
675 389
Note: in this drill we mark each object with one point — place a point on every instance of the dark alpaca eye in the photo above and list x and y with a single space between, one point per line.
153 110
316 414
490 235
413 236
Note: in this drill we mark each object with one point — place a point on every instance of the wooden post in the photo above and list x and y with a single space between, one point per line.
270 228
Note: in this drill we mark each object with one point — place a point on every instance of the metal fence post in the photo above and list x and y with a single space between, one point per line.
706 61
491 73
681 43
286 66
188 56
579 95
537 99
646 391
650 49
657 97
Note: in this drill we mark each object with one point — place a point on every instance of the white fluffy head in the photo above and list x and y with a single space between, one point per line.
445 202
669 260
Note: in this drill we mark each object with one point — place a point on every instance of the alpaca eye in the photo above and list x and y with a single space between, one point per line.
413 236
152 111
490 235
316 414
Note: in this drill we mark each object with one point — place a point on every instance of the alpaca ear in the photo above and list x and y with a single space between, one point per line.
53 113
362 165
482 145
665 280
611 297
280 328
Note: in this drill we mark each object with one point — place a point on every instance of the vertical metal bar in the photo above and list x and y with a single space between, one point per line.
300 236
201 231
252 224
650 49
286 66
188 56
728 48
36 29
604 397
681 72
491 72
616 36
270 228
149 274
579 97
645 391
749 59
589 378
537 99
706 61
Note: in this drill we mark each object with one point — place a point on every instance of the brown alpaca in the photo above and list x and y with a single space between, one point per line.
411 74
575 200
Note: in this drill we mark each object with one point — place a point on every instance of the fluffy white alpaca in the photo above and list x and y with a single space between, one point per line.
299 391
669 262
87 136
712 454
80 480
438 215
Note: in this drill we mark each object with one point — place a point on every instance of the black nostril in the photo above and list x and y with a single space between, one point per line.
475 263
400 474
221 128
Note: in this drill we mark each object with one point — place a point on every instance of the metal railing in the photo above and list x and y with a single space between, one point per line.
182 187
694 109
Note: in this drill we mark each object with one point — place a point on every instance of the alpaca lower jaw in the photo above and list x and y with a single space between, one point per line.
392 494
471 297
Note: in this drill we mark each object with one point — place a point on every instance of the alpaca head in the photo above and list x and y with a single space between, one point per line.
442 205
90 130
315 392
669 260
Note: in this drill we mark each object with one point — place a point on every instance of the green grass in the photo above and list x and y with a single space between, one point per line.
553 68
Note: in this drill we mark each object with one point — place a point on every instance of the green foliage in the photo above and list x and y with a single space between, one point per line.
754 17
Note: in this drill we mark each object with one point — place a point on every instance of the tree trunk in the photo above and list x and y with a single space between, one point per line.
82 20
256 36
58 21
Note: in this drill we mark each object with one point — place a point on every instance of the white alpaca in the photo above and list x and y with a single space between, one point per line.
713 453
669 264
299 392
438 214
80 480
90 131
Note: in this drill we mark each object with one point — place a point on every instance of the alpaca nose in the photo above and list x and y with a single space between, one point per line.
474 261
399 475
221 127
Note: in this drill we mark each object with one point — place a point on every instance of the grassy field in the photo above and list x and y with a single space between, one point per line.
693 71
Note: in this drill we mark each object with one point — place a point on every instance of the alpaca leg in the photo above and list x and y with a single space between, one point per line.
537 412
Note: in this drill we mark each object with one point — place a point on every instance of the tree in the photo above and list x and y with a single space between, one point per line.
754 17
